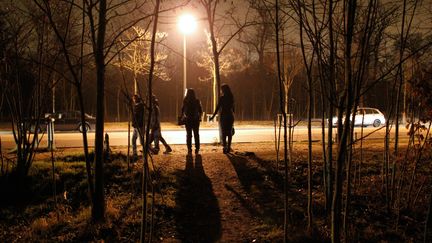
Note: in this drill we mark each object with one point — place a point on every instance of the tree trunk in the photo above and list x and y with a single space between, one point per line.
428 225
329 158
98 210
147 138
282 110
342 148
309 118
210 17
309 126
400 77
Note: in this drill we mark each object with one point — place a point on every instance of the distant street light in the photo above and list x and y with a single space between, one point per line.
187 24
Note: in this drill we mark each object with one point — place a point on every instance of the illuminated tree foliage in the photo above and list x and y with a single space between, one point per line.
135 54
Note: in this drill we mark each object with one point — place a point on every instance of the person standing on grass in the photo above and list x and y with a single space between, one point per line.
155 128
192 111
225 107
137 123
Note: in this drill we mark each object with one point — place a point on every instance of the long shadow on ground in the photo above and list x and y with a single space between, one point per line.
263 194
197 211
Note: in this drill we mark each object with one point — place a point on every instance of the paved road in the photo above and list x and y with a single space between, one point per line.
177 136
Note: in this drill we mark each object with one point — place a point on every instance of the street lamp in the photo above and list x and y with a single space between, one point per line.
187 25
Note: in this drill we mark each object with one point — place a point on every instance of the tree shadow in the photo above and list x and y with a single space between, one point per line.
274 175
264 189
197 211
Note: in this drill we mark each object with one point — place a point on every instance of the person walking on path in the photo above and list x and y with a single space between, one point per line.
137 123
192 111
155 128
225 107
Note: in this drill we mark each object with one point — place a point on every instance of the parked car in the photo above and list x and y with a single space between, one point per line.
366 116
71 120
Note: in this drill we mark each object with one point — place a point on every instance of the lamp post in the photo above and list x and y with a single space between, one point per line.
187 25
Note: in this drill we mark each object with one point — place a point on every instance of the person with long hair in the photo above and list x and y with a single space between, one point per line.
192 112
225 107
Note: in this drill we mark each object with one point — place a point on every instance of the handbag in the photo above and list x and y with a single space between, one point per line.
232 131
181 120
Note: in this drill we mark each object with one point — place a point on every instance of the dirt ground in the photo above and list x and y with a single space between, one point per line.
215 196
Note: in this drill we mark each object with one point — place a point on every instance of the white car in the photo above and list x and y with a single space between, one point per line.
366 116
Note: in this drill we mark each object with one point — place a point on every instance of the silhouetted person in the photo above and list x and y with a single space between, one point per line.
225 107
155 128
137 122
192 112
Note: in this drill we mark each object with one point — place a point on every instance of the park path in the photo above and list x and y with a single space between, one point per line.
217 202
237 221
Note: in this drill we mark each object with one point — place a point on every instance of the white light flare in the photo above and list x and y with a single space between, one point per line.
187 24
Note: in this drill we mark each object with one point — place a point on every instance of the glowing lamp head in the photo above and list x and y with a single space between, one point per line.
187 24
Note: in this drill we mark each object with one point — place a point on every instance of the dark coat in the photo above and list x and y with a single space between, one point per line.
138 114
155 117
192 110
225 107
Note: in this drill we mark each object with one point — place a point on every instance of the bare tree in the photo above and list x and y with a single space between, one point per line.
216 27
284 116
147 132
258 38
135 54
23 79
230 61
74 67
98 32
